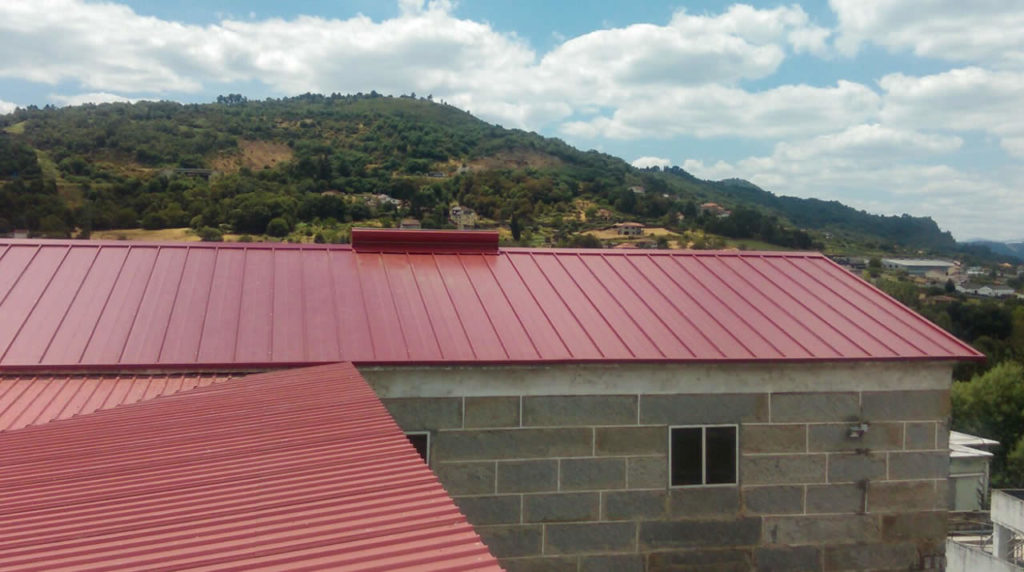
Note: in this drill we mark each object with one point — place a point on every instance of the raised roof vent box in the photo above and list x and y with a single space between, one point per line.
452 241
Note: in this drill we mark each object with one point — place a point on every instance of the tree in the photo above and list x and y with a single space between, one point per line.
875 266
992 405
516 227
209 234
278 227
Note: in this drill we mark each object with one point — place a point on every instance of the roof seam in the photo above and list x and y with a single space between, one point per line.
728 308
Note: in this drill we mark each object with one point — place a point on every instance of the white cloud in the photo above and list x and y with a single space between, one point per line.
7 107
984 31
758 27
883 170
645 162
82 98
969 99
717 111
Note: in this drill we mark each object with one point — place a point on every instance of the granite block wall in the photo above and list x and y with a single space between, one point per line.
580 482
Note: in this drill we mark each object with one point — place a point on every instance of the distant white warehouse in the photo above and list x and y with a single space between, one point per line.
917 266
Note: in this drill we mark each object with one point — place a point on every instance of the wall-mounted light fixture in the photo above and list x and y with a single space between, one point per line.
857 431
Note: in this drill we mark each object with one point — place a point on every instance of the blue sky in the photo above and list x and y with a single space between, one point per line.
892 106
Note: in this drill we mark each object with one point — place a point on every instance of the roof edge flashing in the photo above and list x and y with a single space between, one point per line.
425 241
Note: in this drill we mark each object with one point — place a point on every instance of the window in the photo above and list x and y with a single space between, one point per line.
421 441
703 455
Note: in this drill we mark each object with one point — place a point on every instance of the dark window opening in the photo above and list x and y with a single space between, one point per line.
703 455
421 441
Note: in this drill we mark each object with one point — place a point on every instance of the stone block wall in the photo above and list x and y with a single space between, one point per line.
580 482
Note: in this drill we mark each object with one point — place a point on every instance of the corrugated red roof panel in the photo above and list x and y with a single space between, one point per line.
291 470
115 304
35 400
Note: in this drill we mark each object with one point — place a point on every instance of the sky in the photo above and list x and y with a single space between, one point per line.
891 106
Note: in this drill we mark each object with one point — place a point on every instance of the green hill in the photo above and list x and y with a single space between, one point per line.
320 163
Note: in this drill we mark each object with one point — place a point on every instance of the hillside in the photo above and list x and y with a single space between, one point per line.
314 164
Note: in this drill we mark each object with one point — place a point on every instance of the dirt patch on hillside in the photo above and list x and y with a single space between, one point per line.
515 160
255 155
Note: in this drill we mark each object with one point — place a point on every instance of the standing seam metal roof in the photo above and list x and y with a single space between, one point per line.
294 470
36 400
117 305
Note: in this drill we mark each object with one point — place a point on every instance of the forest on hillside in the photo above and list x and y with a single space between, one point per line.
267 167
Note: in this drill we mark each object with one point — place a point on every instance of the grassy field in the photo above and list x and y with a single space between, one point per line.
16 129
140 235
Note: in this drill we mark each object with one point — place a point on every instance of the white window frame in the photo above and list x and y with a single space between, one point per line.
704 451
427 435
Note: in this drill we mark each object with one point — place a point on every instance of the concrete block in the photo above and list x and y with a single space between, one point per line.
872 557
507 541
919 465
703 408
834 437
609 563
512 444
546 411
541 564
916 526
527 476
647 472
422 414
853 467
728 560
493 509
700 533
815 407
631 440
849 498
821 529
788 559
921 435
635 505
941 501
701 502
903 496
930 405
589 537
942 435
782 469
562 507
492 412
774 439
472 478
592 474
773 500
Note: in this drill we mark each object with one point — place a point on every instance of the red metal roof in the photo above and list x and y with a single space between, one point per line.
293 470
35 400
87 304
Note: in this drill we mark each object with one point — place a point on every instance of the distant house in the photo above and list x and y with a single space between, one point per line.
969 459
331 193
436 175
604 214
638 189
715 210
462 217
410 224
987 290
629 229
918 266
